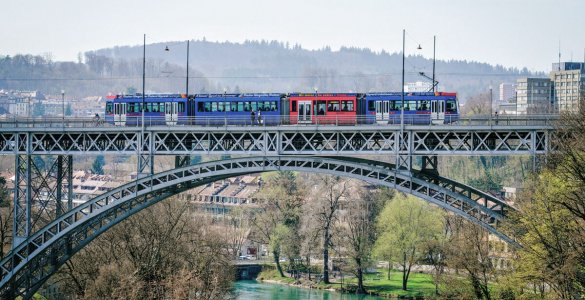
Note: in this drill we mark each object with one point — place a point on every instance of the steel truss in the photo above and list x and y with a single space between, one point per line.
315 140
34 260
39 193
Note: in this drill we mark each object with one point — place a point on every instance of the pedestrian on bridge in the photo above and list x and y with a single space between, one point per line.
252 117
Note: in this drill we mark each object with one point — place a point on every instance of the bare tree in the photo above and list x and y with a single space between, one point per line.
323 207
6 217
142 258
358 230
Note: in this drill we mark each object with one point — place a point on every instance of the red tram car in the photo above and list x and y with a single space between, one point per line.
323 108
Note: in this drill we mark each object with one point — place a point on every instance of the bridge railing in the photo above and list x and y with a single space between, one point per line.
276 120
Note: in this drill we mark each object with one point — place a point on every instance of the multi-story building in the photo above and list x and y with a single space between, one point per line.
507 92
569 86
533 96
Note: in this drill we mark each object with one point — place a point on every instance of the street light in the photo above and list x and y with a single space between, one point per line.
187 76
143 79
63 101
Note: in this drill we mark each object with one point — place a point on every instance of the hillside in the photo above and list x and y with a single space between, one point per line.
252 66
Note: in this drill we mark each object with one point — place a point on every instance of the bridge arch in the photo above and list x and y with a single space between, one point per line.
31 263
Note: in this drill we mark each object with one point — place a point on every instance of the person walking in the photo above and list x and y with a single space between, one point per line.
252 117
259 118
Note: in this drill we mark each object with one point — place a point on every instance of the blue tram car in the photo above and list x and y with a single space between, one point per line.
164 109
419 108
236 109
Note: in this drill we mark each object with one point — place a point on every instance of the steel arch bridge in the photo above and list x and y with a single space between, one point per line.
45 197
32 262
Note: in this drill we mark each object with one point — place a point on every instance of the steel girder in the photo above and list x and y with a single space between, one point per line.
34 260
313 140
39 193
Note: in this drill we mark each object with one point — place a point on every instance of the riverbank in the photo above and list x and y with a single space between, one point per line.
420 285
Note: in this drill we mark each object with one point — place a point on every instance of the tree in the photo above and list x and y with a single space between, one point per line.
6 218
469 250
38 109
278 219
404 225
161 253
68 110
552 238
358 230
323 207
477 105
98 165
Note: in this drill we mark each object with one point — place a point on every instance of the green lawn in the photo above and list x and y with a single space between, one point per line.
419 284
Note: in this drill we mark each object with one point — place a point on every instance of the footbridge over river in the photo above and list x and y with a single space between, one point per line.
48 230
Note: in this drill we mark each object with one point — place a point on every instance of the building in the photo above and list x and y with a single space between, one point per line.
569 86
418 87
507 92
533 96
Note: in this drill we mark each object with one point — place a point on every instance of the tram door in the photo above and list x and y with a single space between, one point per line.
171 113
120 114
437 112
382 111
304 109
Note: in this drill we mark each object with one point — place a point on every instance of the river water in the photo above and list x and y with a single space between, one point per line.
254 290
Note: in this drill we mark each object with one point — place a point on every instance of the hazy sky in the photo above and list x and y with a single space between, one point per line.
519 33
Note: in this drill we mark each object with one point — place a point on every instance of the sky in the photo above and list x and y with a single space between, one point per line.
512 33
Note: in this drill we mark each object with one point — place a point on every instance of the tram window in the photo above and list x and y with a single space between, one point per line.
267 105
260 106
333 106
395 105
233 106
320 107
451 106
154 107
109 108
239 106
410 105
346 105
213 106
246 106
273 105
226 106
423 105
293 107
181 106
371 105
148 107
200 107
162 106
254 106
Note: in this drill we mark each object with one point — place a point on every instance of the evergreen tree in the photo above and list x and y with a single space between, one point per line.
98 165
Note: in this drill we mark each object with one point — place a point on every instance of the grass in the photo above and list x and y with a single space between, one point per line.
419 284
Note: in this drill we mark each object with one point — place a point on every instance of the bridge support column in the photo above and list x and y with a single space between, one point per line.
40 188
182 161
430 165
145 155
404 151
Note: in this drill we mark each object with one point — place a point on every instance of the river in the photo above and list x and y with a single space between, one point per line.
254 290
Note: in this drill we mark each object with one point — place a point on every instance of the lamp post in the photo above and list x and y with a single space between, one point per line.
402 86
143 78
491 105
63 102
187 76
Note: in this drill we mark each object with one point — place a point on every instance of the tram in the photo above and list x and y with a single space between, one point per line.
283 109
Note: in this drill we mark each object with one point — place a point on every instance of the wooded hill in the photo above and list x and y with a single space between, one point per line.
252 66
